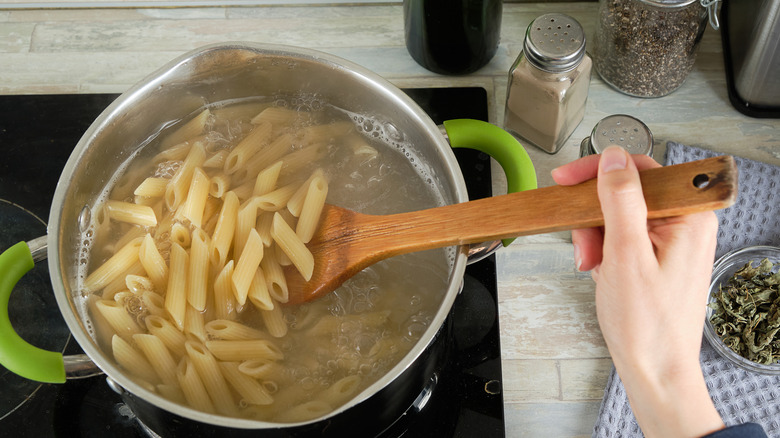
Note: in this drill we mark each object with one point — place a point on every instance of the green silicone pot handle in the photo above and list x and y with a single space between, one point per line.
16 354
499 144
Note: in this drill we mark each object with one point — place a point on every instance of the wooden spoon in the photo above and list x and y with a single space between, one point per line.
347 242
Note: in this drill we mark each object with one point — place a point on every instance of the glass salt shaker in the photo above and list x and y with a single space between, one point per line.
619 129
646 48
548 83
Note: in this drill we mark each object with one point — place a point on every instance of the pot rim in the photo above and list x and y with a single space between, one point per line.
71 315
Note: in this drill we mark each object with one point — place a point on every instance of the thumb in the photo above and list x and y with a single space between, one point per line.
623 204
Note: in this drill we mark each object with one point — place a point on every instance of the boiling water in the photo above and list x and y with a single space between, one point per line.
355 334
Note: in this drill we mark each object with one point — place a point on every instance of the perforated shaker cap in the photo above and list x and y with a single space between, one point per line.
622 130
554 42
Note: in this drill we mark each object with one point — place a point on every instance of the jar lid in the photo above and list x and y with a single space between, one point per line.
622 130
554 42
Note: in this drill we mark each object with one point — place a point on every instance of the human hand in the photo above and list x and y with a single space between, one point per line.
652 278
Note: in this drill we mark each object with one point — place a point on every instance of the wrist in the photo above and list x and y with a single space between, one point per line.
673 403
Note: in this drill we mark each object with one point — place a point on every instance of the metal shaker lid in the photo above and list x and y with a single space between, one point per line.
554 42
622 130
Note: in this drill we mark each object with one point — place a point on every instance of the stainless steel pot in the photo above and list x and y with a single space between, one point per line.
213 74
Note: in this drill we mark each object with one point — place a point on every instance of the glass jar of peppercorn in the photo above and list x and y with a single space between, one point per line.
646 48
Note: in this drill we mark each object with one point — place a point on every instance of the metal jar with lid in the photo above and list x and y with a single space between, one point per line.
622 130
646 48
548 83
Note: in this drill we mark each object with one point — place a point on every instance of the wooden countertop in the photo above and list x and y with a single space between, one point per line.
555 363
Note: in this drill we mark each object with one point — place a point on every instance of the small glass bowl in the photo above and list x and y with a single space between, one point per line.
723 269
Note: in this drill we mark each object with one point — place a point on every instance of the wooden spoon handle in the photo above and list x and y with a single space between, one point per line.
676 190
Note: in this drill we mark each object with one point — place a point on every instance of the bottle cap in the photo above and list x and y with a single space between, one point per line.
620 129
554 42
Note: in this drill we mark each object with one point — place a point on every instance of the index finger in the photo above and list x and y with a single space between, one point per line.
587 167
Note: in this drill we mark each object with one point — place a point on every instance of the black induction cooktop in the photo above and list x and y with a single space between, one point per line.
37 135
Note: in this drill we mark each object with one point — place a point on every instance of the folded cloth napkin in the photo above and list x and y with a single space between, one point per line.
740 396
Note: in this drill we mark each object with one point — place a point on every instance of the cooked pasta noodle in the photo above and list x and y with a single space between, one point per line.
192 386
209 372
153 263
196 198
176 294
251 390
158 356
198 275
113 267
222 238
247 265
232 330
187 288
152 187
292 245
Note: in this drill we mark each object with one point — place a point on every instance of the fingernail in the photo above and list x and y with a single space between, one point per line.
613 158
577 257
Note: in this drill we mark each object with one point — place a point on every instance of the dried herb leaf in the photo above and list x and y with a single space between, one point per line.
746 312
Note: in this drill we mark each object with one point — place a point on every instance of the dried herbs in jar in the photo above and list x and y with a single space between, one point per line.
746 313
647 48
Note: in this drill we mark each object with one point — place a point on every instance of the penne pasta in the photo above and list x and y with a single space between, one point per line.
216 161
153 303
274 321
291 244
117 317
119 283
176 152
305 411
223 233
258 292
263 227
293 163
240 350
113 267
189 130
276 116
176 191
180 235
217 216
152 187
138 284
245 221
228 330
192 386
197 195
212 378
176 294
172 392
195 324
198 275
132 360
270 154
341 391
169 334
247 147
218 186
153 263
263 369
158 357
251 390
266 179
277 199
224 299
312 208
246 266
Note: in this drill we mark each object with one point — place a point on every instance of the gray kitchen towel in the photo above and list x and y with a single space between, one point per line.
740 396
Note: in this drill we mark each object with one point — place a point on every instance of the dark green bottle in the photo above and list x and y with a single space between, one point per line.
452 36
